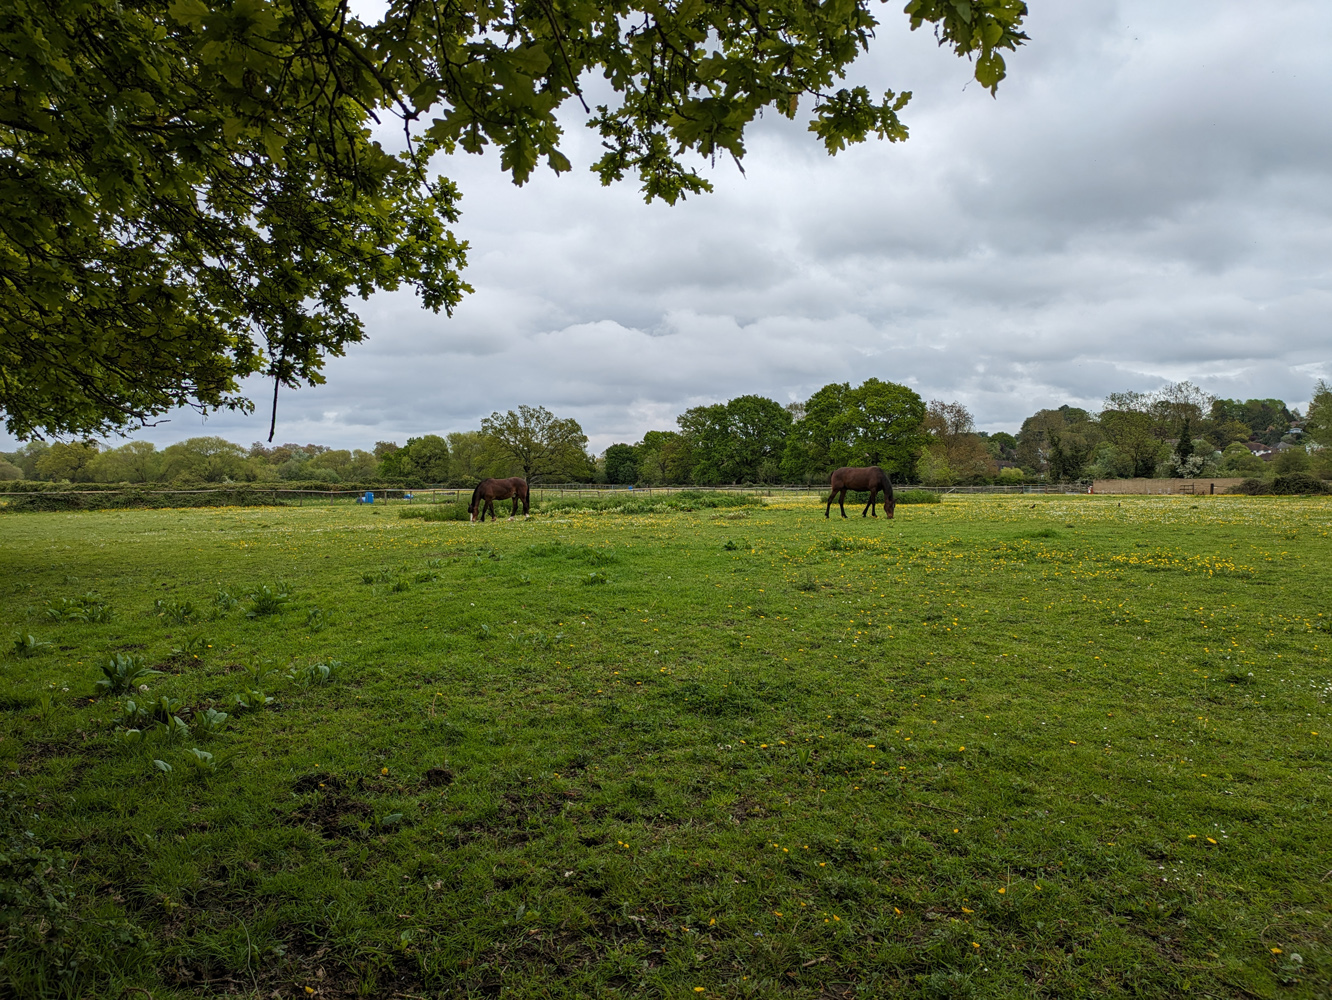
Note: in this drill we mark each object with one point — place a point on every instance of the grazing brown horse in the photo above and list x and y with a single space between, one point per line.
872 478
489 490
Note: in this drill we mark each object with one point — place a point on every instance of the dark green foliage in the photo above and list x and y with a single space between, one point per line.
121 673
544 447
266 600
1267 420
621 464
421 460
740 441
876 423
88 608
1184 446
29 645
179 612
1067 457
1295 484
38 497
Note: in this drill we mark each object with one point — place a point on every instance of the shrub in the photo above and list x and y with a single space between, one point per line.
1295 484
1298 483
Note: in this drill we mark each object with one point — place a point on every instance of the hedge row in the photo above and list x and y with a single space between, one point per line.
309 485
67 497
1295 484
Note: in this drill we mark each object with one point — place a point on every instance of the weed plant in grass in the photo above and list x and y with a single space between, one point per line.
995 747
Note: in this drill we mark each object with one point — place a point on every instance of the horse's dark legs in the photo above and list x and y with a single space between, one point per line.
831 497
869 507
514 512
841 501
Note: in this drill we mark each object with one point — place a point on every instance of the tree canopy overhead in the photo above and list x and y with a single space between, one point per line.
191 192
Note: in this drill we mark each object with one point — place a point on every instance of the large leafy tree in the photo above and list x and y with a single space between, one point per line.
421 460
621 464
954 443
1319 423
1059 442
737 441
876 423
1130 422
880 424
810 445
545 447
664 457
191 193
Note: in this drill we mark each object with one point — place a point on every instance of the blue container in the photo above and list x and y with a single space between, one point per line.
369 498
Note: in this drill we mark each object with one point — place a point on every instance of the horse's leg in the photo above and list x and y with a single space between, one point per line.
841 501
831 497
873 493
514 511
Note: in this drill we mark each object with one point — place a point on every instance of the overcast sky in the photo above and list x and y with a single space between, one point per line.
1149 199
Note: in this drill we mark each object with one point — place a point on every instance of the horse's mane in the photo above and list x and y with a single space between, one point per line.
475 493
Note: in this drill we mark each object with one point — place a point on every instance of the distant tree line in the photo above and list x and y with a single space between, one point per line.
1176 431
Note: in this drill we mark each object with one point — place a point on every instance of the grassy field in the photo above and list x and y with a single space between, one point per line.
1044 746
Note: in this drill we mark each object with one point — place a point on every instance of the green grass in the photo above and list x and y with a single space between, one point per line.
995 747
